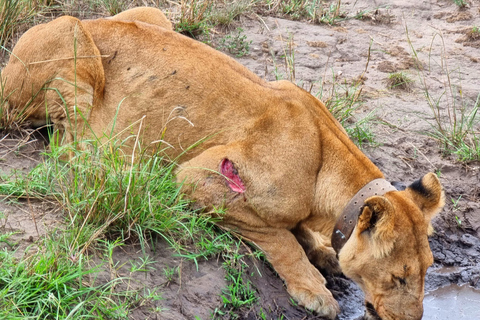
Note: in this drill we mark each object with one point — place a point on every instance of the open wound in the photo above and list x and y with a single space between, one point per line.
231 175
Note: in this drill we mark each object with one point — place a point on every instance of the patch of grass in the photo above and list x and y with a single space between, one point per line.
399 80
226 12
460 3
455 203
378 15
315 11
288 61
103 188
108 199
52 284
330 14
193 18
113 6
235 43
343 101
14 13
455 125
196 18
473 34
295 9
171 273
239 292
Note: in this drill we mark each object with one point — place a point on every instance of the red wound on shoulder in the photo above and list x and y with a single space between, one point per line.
231 174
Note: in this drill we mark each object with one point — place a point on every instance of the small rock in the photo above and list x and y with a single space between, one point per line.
453 238
469 240
465 276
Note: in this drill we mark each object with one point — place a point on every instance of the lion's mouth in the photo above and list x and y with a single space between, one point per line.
370 313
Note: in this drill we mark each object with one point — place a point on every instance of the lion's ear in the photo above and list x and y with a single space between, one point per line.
427 193
378 219
145 14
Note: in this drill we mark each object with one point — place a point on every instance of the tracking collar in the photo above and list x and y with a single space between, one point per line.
348 219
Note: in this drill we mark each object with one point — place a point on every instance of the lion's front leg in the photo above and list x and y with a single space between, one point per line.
304 282
217 178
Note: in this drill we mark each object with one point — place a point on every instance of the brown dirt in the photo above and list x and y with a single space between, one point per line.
404 153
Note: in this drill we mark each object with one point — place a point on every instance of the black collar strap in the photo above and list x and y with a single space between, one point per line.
347 221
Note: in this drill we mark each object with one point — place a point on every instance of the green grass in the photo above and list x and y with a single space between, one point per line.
315 11
102 188
461 3
113 6
197 18
288 58
107 202
240 292
226 12
473 34
344 101
399 80
193 19
235 43
330 14
455 124
52 284
14 13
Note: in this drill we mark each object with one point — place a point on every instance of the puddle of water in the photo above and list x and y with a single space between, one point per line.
447 270
452 302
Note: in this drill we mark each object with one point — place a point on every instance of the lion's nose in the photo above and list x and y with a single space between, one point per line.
415 313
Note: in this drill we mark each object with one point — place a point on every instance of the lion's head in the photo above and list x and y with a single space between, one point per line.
388 253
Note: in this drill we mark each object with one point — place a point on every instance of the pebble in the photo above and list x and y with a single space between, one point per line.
469 240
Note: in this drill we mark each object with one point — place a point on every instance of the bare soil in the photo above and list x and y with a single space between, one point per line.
367 49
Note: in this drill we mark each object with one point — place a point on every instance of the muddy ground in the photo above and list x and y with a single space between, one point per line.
447 58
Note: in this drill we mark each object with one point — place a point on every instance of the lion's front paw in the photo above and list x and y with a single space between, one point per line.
321 302
326 260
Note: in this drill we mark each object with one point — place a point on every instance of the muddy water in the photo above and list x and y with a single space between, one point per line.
452 302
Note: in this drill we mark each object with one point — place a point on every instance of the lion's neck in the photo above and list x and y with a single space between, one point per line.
345 170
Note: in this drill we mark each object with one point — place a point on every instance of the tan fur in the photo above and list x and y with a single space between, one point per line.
297 165
145 14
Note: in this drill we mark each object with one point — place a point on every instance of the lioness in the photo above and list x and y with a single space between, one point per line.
291 180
